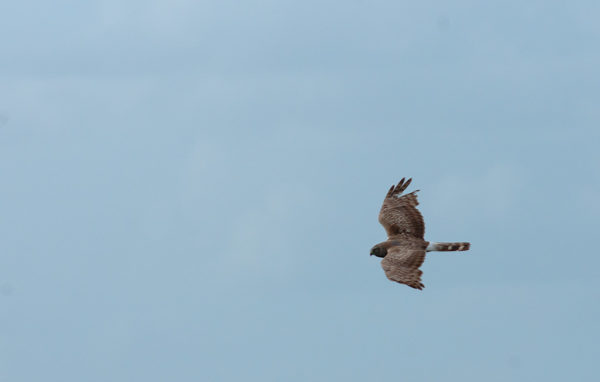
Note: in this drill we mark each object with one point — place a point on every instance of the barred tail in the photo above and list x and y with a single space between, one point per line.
448 247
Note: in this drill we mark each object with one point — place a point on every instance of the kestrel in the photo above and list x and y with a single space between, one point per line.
404 250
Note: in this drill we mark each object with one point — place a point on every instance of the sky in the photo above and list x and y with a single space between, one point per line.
189 190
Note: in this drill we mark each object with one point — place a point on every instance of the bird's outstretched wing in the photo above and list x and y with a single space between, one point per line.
399 214
401 264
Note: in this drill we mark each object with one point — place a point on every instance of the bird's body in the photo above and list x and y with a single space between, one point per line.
404 250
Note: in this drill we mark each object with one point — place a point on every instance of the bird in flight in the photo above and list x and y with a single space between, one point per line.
404 250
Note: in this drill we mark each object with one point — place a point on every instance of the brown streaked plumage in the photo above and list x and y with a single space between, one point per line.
404 251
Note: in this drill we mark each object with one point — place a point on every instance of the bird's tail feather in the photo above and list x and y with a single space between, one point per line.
448 246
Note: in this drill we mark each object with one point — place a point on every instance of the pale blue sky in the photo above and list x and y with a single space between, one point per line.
189 190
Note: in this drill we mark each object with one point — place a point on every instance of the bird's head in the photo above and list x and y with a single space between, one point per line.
379 251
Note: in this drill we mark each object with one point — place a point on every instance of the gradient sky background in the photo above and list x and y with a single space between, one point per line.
189 190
